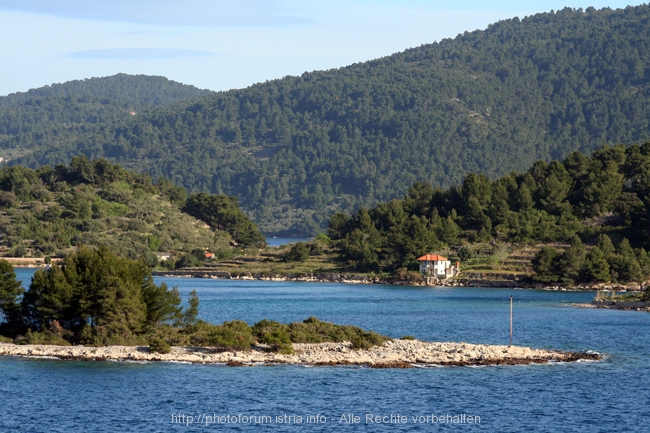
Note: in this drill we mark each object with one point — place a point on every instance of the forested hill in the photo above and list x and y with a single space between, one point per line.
297 149
600 200
51 211
137 90
62 113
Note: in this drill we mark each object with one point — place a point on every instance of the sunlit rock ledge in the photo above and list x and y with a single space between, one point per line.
393 354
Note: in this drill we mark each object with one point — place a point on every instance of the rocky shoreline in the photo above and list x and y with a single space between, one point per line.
470 279
617 305
392 354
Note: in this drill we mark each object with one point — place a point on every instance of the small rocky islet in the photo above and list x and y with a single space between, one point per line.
613 304
391 354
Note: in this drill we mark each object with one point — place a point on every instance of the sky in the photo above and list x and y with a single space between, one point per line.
227 44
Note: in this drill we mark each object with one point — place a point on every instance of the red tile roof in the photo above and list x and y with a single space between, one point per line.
433 258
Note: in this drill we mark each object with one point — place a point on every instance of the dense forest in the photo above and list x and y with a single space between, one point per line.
137 90
52 210
297 149
64 112
592 200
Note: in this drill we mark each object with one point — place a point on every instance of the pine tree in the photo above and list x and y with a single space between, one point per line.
544 264
338 226
192 309
298 253
644 261
474 216
595 267
570 262
625 264
363 244
421 239
11 291
99 297
450 231
163 305
554 188
524 199
605 245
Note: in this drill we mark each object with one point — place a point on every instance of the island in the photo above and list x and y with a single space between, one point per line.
620 301
95 305
390 354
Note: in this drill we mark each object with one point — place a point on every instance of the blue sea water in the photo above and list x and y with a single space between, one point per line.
276 242
608 396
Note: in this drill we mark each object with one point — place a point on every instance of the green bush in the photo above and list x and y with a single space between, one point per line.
188 261
235 335
313 330
198 333
298 253
465 253
8 199
279 336
116 335
411 276
275 334
408 337
230 335
323 238
18 251
45 337
225 253
158 345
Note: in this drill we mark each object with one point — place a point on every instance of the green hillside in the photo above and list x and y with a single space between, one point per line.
51 211
138 90
63 112
297 149
600 200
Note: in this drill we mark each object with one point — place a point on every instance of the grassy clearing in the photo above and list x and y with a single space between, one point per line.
273 261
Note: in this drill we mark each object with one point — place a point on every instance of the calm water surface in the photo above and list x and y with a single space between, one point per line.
608 396
276 242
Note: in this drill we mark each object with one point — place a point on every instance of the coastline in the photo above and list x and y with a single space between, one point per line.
617 305
392 354
469 279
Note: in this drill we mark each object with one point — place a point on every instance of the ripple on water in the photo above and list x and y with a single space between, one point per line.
74 396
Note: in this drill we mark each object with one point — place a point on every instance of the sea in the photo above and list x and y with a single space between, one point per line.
612 395
277 242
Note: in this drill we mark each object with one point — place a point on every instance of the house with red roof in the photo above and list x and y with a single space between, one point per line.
437 266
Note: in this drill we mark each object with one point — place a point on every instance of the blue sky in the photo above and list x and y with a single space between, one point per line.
225 44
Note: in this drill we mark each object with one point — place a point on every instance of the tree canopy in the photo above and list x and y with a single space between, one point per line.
575 200
222 213
93 202
94 296
297 149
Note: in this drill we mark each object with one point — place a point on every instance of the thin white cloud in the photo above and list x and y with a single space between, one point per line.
164 12
137 53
